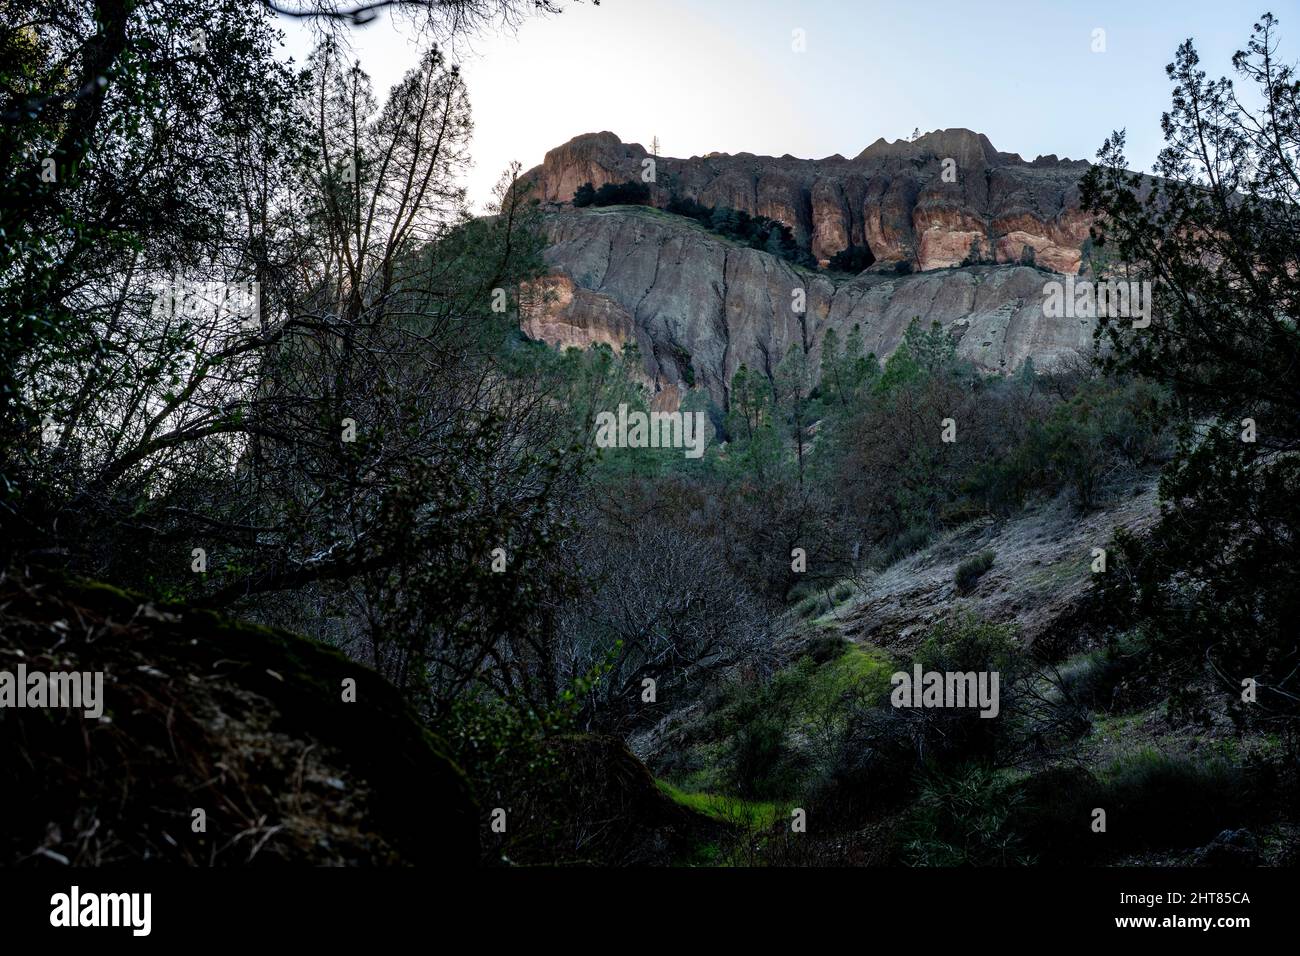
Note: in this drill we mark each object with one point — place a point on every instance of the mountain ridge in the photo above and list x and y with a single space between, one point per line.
947 197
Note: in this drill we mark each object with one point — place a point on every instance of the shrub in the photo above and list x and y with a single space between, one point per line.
757 232
1153 799
1002 483
962 644
909 542
966 642
972 569
827 646
1092 679
1100 428
758 753
630 193
760 763
872 769
814 605
965 818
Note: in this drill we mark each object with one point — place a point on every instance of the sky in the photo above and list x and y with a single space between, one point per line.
728 75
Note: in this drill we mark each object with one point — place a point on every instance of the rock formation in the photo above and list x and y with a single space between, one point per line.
980 232
699 306
930 201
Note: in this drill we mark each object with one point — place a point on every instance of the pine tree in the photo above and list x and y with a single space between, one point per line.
792 389
1218 236
833 381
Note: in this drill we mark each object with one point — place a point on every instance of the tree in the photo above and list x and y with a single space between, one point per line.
104 187
1217 235
774 246
102 197
723 220
919 355
792 384
845 371
351 453
859 367
630 192
750 421
665 606
832 383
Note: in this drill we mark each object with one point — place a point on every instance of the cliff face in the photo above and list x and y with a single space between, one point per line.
692 300
931 202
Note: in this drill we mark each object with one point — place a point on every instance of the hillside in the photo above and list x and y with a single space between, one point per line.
1083 728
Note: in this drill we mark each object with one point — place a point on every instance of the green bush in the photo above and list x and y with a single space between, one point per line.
965 643
757 232
965 818
1099 428
909 542
1002 483
1152 800
630 193
827 647
972 569
759 762
814 605
1092 679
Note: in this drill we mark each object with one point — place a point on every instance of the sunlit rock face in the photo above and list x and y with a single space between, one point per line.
946 198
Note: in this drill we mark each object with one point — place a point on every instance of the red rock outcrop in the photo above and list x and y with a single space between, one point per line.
933 201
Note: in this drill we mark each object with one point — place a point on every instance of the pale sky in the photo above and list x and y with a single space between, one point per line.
706 75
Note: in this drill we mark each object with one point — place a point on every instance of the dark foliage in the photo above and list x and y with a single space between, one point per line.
630 193
853 259
757 232
1218 236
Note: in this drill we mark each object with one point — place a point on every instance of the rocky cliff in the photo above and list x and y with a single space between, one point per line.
933 201
699 306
